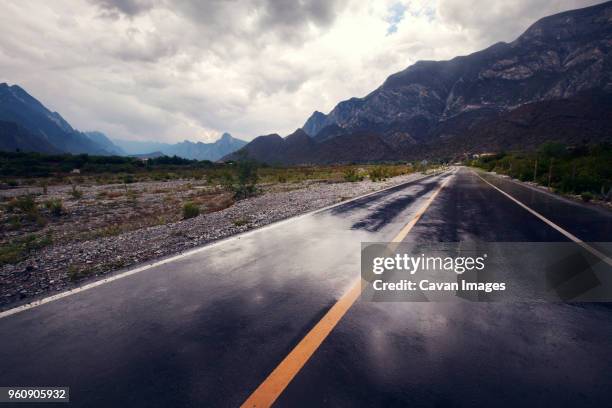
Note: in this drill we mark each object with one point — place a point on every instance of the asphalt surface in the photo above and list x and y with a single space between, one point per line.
208 328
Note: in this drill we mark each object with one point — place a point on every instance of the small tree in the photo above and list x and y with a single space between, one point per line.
247 179
227 181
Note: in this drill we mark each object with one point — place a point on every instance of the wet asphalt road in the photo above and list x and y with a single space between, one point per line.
206 330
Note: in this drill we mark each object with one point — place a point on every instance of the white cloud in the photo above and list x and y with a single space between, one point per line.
156 69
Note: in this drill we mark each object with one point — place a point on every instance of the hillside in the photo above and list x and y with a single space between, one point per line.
44 126
13 137
485 100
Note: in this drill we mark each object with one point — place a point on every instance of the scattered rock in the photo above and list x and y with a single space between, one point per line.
105 254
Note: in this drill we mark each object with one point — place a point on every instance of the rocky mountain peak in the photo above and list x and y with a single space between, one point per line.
561 57
315 122
557 57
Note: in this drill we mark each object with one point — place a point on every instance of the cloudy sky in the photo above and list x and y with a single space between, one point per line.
191 69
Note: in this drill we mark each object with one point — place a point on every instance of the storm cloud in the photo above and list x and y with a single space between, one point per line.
173 70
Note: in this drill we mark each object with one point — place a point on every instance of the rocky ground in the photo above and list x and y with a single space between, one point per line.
110 227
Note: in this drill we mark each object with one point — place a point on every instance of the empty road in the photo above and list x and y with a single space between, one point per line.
208 328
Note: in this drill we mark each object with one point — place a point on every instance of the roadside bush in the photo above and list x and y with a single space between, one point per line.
160 176
16 250
128 179
26 208
227 181
73 273
25 204
379 173
565 169
586 196
75 193
351 175
247 180
76 273
190 210
55 207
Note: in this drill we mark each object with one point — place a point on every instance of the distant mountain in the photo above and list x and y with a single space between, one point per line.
102 140
225 145
135 147
442 107
13 138
299 148
45 127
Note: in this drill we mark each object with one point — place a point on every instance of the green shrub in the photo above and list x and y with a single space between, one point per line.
351 175
25 204
12 183
128 179
73 273
190 210
247 179
16 250
76 273
586 196
566 169
55 207
75 193
379 173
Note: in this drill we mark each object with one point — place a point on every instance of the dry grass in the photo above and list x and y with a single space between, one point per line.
61 211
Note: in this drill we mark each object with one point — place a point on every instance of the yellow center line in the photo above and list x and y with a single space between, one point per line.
272 387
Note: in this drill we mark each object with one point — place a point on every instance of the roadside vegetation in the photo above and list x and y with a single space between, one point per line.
585 171
66 218
190 210
47 199
117 168
18 249
18 169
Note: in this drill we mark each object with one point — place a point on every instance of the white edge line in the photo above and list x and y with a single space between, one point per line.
574 238
187 253
543 190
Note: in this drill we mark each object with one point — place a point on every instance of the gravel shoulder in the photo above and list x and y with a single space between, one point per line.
68 263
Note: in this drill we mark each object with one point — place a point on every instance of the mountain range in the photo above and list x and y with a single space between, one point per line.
552 83
223 146
27 125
